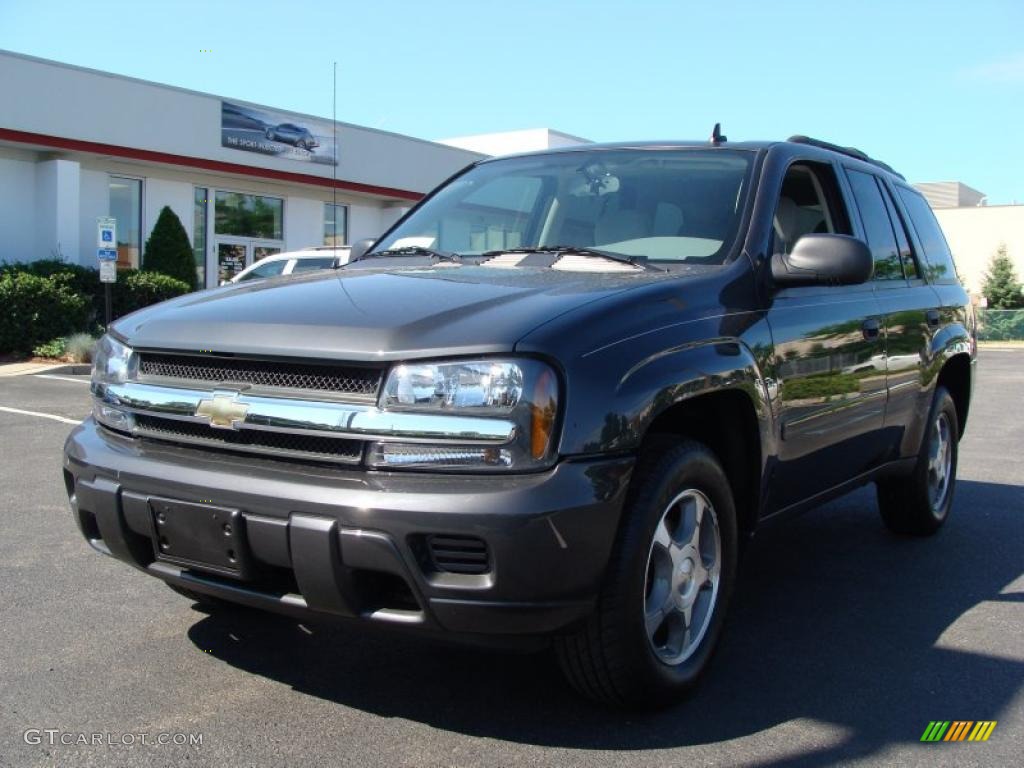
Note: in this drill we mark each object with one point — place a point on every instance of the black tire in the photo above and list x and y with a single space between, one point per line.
610 658
908 503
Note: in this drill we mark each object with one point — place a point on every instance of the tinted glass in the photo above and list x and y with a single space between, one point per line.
249 215
308 265
199 233
335 224
936 251
899 225
126 208
666 205
877 226
230 260
269 269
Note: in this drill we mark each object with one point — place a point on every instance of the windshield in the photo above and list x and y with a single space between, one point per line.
656 204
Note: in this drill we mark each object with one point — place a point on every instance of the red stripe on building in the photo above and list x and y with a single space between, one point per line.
77 145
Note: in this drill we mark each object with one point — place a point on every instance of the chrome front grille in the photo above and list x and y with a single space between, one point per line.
344 379
278 444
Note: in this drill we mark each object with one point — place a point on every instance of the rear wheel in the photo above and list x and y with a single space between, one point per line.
667 587
918 504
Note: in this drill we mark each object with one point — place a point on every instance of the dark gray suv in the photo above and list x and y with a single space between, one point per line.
547 406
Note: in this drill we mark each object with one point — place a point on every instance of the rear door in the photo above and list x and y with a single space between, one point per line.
910 309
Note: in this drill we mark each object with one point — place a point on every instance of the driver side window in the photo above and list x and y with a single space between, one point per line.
809 203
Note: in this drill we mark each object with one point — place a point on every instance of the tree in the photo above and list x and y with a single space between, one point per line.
1001 286
168 250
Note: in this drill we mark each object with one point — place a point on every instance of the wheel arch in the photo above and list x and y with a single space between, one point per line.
955 376
720 400
726 422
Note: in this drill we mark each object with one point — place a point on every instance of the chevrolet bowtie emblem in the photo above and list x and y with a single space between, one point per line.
223 411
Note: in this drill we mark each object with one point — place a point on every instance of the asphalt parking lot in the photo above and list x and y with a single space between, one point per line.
844 642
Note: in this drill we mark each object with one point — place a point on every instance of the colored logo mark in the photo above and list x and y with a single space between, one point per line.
959 730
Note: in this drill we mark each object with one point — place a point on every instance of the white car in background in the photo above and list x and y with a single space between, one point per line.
294 262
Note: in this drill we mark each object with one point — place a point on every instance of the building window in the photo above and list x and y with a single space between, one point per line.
335 224
199 209
126 208
249 216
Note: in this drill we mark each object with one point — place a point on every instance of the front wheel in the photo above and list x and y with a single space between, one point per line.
668 583
919 503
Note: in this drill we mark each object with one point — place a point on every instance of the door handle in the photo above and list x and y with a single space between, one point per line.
932 318
871 329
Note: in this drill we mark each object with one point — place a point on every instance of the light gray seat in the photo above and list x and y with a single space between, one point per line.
617 224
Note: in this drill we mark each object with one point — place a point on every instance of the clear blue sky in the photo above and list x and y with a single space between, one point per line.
934 87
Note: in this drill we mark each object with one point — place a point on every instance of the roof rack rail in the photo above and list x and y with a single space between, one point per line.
849 151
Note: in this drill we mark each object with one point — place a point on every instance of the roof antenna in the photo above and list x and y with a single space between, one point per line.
717 138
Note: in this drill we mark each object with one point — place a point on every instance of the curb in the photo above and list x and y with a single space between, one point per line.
30 369
71 369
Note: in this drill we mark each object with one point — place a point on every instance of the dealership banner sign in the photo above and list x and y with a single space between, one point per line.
275 133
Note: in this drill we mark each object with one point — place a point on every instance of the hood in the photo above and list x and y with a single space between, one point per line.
374 314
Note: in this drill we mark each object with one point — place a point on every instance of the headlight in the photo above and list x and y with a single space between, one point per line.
524 392
114 362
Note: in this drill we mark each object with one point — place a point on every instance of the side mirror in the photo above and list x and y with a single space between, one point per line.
359 248
824 260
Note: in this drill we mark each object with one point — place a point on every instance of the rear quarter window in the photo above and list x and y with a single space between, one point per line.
939 267
308 265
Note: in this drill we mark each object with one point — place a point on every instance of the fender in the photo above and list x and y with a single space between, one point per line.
660 380
953 339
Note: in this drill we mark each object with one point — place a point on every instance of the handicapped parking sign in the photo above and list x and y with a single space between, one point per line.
106 232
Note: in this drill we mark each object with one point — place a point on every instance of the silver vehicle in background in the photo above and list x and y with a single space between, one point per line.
294 262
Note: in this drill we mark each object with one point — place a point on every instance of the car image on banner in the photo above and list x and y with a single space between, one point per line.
267 132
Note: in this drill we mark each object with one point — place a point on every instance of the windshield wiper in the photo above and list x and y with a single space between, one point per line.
415 250
578 250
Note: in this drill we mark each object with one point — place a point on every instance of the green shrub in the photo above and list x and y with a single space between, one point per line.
38 309
79 348
135 290
54 349
46 300
84 281
168 250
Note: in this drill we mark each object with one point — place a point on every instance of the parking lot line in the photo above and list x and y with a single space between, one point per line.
40 415
61 378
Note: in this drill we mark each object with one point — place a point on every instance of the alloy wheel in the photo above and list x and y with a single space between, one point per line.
682 579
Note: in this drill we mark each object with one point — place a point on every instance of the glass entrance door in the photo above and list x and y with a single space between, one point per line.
233 254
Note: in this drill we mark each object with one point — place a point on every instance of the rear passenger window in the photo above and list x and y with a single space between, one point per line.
900 225
877 226
940 261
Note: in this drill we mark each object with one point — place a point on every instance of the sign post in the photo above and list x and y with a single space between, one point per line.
106 252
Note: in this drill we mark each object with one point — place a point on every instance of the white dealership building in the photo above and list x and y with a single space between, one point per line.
245 180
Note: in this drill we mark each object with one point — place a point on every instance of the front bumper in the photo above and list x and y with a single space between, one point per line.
331 541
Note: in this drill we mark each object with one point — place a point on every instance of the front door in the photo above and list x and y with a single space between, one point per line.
829 361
